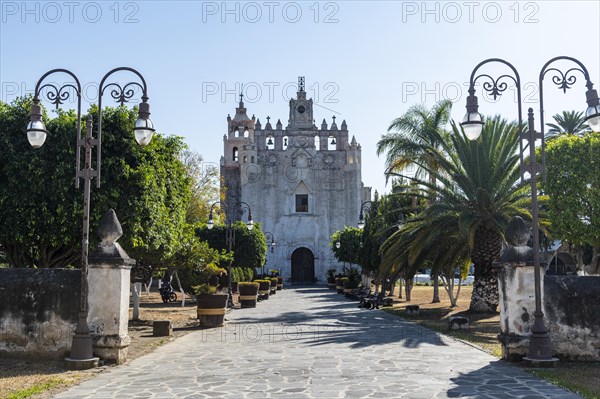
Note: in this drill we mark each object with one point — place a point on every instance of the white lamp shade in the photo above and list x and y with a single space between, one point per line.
472 125
210 224
143 130
593 117
361 224
36 133
250 225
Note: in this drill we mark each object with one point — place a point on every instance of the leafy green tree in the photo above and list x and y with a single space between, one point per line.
41 209
192 257
349 250
569 122
573 185
250 247
416 130
480 192
204 185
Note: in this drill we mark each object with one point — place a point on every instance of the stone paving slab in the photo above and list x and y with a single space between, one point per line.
313 343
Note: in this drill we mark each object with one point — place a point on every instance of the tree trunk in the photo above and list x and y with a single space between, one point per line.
436 288
392 287
595 263
487 248
485 289
408 288
400 288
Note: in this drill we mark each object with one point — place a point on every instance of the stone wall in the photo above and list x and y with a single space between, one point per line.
38 311
570 305
573 315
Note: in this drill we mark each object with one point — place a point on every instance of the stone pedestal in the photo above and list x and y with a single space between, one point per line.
109 279
517 305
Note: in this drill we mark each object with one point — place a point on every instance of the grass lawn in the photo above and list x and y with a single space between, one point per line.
580 377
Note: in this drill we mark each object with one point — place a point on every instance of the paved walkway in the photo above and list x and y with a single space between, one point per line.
312 343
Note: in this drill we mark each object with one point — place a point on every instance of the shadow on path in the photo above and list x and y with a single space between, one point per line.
328 318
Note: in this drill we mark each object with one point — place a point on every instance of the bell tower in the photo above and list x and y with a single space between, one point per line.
301 109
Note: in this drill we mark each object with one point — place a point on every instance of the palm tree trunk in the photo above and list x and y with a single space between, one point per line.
485 289
487 247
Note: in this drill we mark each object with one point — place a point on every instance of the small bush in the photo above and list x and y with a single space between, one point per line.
248 284
204 289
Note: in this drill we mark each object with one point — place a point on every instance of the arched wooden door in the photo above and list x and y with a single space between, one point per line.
303 266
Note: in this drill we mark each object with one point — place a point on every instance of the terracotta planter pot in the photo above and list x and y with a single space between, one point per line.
211 309
349 286
339 285
273 287
331 283
279 283
264 289
248 295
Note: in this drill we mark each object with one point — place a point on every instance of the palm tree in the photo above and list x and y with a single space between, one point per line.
479 191
570 122
408 136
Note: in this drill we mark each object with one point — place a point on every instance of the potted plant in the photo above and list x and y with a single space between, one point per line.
331 278
273 285
275 273
235 278
264 288
349 286
339 284
211 303
248 293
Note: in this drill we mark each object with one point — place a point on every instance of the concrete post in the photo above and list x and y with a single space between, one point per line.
109 279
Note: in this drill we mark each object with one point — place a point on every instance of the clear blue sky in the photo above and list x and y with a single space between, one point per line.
366 62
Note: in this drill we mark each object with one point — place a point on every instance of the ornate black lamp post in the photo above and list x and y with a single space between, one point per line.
540 346
338 245
272 245
81 348
361 218
230 233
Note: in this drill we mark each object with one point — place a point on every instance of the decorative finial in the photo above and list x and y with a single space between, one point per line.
109 229
300 83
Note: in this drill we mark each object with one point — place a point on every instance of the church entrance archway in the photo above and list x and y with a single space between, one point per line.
303 266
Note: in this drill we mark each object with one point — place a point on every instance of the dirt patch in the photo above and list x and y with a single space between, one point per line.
43 379
483 328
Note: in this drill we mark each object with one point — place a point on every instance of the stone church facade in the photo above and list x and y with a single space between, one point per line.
301 182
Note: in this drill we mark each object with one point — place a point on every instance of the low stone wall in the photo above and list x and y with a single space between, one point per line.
572 313
38 312
570 305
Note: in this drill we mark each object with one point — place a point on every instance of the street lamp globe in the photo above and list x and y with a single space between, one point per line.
250 224
143 128
361 224
36 133
36 130
472 125
338 245
211 222
592 116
